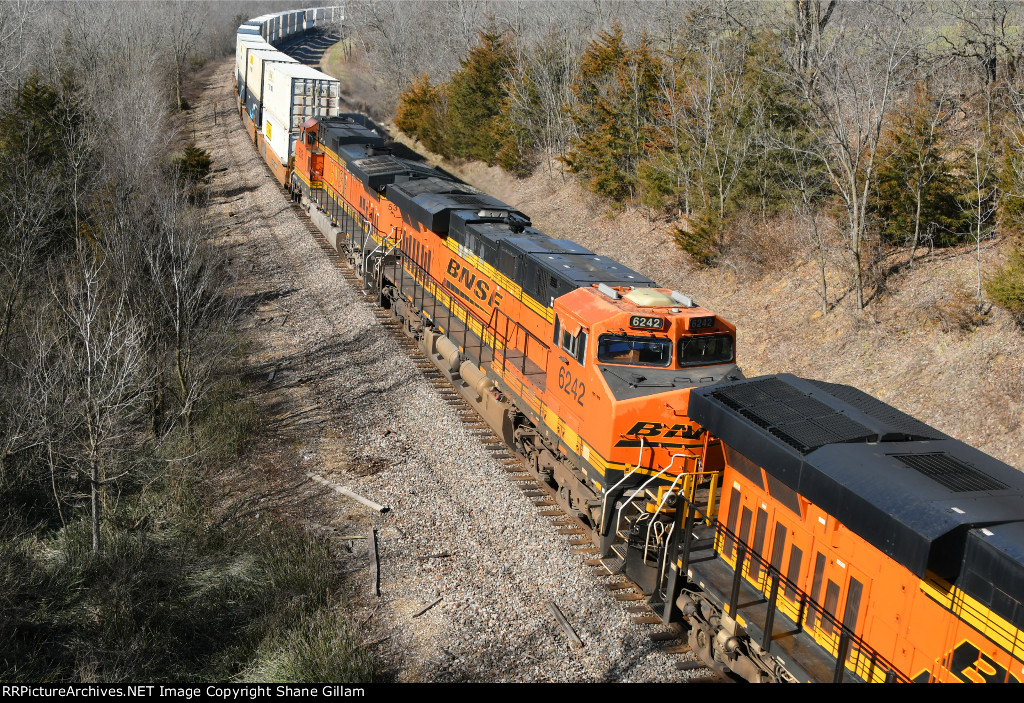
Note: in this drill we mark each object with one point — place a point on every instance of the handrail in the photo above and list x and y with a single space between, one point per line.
604 496
618 517
647 539
875 661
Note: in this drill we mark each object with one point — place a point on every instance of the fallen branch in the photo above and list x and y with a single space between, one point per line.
351 494
442 555
374 564
574 639
427 608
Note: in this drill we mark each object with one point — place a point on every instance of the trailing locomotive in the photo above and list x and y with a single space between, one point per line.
857 543
798 530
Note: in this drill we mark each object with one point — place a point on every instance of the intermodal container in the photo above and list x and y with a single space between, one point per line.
293 93
257 64
275 134
242 55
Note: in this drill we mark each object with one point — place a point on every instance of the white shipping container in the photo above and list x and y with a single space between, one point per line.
245 44
257 63
276 135
293 93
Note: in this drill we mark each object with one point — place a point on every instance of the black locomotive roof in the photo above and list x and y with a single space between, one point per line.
586 267
377 168
903 486
431 201
336 132
993 569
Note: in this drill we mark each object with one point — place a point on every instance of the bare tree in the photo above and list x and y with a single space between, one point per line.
194 313
980 202
850 87
810 19
16 20
985 31
714 113
185 26
99 356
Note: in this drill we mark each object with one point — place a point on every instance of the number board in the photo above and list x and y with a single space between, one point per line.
647 323
701 323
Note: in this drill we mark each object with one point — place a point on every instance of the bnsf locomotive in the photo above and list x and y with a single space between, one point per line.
798 530
581 364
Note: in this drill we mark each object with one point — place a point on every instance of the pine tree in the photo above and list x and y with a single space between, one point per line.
615 95
915 194
475 95
419 114
44 131
1006 286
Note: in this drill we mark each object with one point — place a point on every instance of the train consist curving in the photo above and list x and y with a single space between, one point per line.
798 530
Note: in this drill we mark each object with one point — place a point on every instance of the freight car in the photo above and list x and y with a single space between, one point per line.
798 530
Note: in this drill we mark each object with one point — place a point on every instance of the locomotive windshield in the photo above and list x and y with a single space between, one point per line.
705 351
637 351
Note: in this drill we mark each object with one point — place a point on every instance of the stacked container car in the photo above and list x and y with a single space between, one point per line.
276 94
258 63
293 93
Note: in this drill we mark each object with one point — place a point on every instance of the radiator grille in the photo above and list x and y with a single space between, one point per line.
949 471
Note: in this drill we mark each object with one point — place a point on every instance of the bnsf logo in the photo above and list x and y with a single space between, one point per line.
657 429
479 287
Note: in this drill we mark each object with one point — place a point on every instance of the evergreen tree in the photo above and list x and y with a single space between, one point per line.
44 132
533 122
915 192
420 113
1006 286
475 95
615 95
773 176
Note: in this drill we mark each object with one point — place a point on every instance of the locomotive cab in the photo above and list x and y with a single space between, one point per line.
625 360
309 161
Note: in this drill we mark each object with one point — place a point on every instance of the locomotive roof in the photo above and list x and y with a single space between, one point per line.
431 201
378 172
908 489
575 265
337 132
378 168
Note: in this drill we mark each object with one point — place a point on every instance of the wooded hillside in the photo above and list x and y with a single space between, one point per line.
123 398
876 131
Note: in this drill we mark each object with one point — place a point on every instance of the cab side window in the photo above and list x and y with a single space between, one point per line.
576 346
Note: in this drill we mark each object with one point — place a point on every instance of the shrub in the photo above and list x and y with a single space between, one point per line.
1005 287
701 240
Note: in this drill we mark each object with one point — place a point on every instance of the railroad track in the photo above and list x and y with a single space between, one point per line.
542 495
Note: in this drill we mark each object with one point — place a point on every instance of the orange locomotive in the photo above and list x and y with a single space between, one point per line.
857 543
581 364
